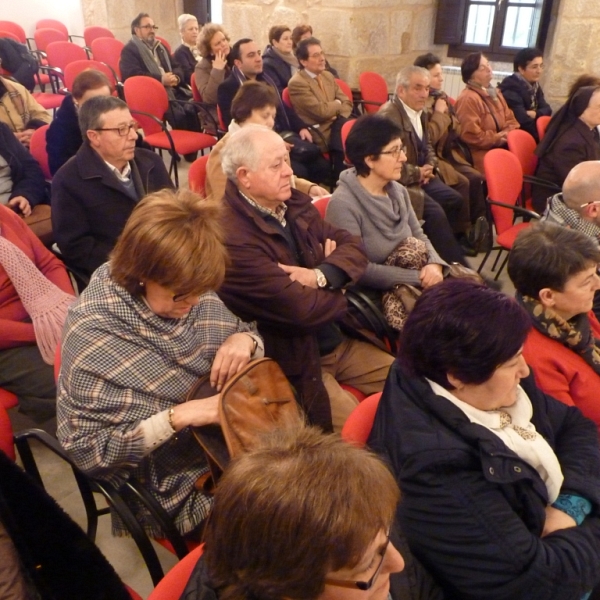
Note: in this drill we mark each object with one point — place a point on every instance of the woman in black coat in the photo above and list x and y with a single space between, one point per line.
571 138
500 482
187 55
279 60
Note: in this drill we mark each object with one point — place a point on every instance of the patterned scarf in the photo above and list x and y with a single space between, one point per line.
532 88
17 101
575 334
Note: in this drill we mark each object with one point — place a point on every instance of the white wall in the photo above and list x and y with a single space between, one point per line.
28 12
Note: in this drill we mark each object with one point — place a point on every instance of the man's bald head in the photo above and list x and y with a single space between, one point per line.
582 185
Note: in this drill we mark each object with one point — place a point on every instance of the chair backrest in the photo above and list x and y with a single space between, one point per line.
172 585
60 54
195 91
164 43
346 127
373 88
522 145
358 425
37 147
10 35
46 36
345 88
93 32
197 175
321 205
6 434
15 29
285 96
74 68
147 95
52 24
504 178
108 50
541 124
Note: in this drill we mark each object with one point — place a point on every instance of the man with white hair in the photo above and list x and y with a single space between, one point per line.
578 206
288 269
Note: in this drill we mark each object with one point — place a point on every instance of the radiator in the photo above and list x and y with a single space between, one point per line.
453 83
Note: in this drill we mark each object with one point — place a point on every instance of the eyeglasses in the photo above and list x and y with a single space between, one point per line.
588 203
316 54
361 585
155 27
394 152
122 130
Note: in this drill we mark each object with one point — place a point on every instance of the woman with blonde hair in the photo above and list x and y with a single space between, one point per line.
145 329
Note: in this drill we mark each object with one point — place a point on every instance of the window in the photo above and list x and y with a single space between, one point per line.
497 27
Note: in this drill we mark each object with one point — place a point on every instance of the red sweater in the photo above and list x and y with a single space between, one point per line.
15 326
562 373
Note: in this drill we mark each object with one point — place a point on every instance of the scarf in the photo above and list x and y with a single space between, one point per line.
491 91
575 334
558 211
152 59
17 101
45 302
194 50
513 426
289 58
532 88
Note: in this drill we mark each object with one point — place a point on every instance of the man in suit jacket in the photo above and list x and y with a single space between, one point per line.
94 192
319 100
419 174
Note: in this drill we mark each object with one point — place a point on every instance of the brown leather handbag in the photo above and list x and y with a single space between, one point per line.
257 400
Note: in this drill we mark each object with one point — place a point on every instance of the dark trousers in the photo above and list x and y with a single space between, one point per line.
438 230
450 200
24 373
476 192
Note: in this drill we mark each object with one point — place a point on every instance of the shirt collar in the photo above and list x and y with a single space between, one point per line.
413 114
278 213
124 175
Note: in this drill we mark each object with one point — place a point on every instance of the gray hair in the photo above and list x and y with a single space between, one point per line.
90 113
403 77
243 150
183 19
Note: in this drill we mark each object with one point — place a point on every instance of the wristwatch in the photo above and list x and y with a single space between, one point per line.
321 279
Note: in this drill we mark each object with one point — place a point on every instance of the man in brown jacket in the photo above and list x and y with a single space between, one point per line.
287 271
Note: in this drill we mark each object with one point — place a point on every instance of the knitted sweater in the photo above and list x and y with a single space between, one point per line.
382 222
16 328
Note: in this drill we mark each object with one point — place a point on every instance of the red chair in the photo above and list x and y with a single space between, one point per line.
165 44
148 99
321 205
357 428
197 175
10 36
73 69
46 36
37 147
6 434
52 24
541 124
8 399
172 585
195 91
373 89
94 32
346 89
60 54
346 127
15 29
504 178
108 50
522 145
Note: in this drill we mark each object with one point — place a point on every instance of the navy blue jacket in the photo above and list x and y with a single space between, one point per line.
276 68
473 511
26 174
63 137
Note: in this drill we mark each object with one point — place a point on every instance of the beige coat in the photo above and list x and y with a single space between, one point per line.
216 181
317 107
9 112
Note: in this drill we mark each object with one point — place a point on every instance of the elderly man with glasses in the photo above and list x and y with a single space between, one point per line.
94 193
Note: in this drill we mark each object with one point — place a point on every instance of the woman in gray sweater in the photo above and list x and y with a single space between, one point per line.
370 203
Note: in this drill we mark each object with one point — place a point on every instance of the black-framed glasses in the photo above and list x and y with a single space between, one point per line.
155 27
394 152
361 585
122 130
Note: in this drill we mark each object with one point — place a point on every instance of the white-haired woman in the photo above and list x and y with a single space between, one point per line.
188 55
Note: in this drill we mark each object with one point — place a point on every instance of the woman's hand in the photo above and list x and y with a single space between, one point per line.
220 61
233 355
440 106
316 191
305 135
21 204
557 519
430 275
196 413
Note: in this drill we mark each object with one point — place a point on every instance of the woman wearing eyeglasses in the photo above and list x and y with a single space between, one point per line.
369 202
135 343
500 482
304 516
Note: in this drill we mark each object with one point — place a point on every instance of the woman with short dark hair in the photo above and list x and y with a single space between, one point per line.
279 60
484 116
500 482
554 270
293 519
522 90
147 327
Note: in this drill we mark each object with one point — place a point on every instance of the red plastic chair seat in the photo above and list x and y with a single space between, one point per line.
6 435
185 142
507 238
172 585
358 426
49 101
8 399
197 175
